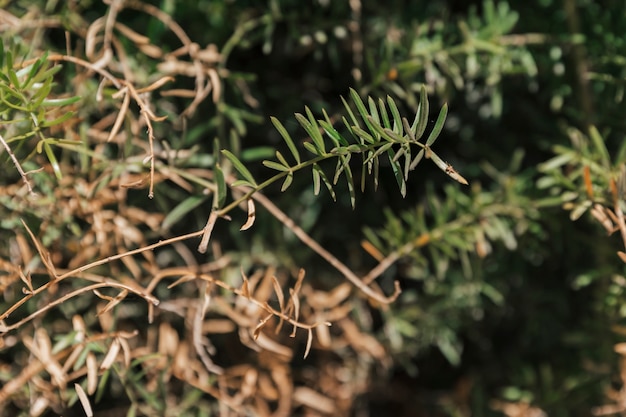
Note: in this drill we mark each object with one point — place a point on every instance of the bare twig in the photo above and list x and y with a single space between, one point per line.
17 165
330 258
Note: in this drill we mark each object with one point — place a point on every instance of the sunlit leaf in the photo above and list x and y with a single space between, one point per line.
421 117
281 159
53 160
598 142
383 114
362 110
313 131
373 113
434 134
557 161
417 159
311 148
57 102
363 134
285 135
240 167
287 182
61 119
397 120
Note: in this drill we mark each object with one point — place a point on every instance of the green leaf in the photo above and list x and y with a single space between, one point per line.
276 166
327 125
376 165
386 134
316 181
42 93
417 159
383 113
182 209
327 183
257 153
243 183
332 133
407 161
57 102
397 172
598 142
362 110
220 181
53 160
11 72
281 159
34 68
421 117
363 134
311 148
240 167
451 351
283 132
288 181
351 130
313 132
373 113
556 162
441 119
353 118
46 73
345 162
58 120
397 119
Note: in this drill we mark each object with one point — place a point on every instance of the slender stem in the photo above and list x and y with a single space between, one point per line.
17 165
330 258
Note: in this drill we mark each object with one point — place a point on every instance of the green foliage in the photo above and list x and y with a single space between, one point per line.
380 138
27 105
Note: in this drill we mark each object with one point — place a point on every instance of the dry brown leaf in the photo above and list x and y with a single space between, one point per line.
126 351
245 291
217 326
111 355
309 342
323 335
313 399
296 308
84 400
259 327
251 216
362 342
269 344
92 373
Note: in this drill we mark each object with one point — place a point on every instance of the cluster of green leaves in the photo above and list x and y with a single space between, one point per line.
28 106
447 242
473 55
388 134
591 169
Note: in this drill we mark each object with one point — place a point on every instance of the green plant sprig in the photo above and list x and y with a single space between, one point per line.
373 134
25 98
